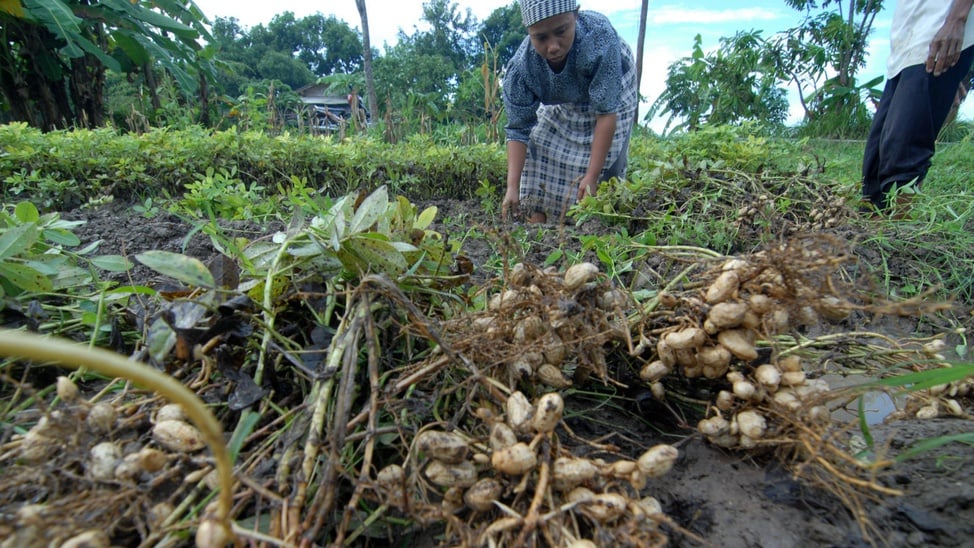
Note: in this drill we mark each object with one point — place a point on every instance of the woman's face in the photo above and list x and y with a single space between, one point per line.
552 38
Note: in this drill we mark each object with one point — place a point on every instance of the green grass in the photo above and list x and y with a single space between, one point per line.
933 249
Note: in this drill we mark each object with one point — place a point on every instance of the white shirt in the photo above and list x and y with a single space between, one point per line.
915 22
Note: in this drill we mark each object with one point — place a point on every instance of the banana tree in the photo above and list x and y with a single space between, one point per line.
54 54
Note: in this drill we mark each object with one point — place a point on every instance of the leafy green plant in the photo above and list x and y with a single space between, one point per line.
375 235
24 183
736 82
937 238
488 195
746 147
78 45
35 256
840 110
615 252
63 170
39 259
148 208
220 193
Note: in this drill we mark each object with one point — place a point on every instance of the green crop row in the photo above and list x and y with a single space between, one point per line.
63 170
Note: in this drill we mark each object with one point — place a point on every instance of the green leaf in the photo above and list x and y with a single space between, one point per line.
369 211
864 424
928 444
168 53
71 276
372 255
922 380
57 17
135 51
310 250
245 426
26 212
18 240
52 221
404 247
261 254
127 291
160 339
426 217
186 12
88 248
112 263
61 237
185 269
48 267
25 277
404 215
139 12
554 256
332 225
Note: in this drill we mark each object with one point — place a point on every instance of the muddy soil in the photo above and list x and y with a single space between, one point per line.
713 496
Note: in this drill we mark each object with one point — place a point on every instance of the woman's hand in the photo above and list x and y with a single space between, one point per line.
588 186
511 203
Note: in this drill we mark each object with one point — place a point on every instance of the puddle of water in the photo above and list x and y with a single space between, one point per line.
876 405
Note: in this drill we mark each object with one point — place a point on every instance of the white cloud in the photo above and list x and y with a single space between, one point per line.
656 60
671 15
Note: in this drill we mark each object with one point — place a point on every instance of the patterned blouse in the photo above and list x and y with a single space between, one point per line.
592 74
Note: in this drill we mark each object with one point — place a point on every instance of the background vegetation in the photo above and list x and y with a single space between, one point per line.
139 65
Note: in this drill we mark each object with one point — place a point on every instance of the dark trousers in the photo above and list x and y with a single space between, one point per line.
904 131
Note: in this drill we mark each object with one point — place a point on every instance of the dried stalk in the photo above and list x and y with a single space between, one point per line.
371 338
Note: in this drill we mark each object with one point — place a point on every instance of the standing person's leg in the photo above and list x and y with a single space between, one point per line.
871 184
907 137
914 118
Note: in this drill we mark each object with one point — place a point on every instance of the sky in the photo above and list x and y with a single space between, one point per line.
670 28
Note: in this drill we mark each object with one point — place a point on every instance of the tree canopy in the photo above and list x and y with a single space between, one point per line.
745 76
731 84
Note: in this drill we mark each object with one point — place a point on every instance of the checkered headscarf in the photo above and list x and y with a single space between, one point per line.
533 11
